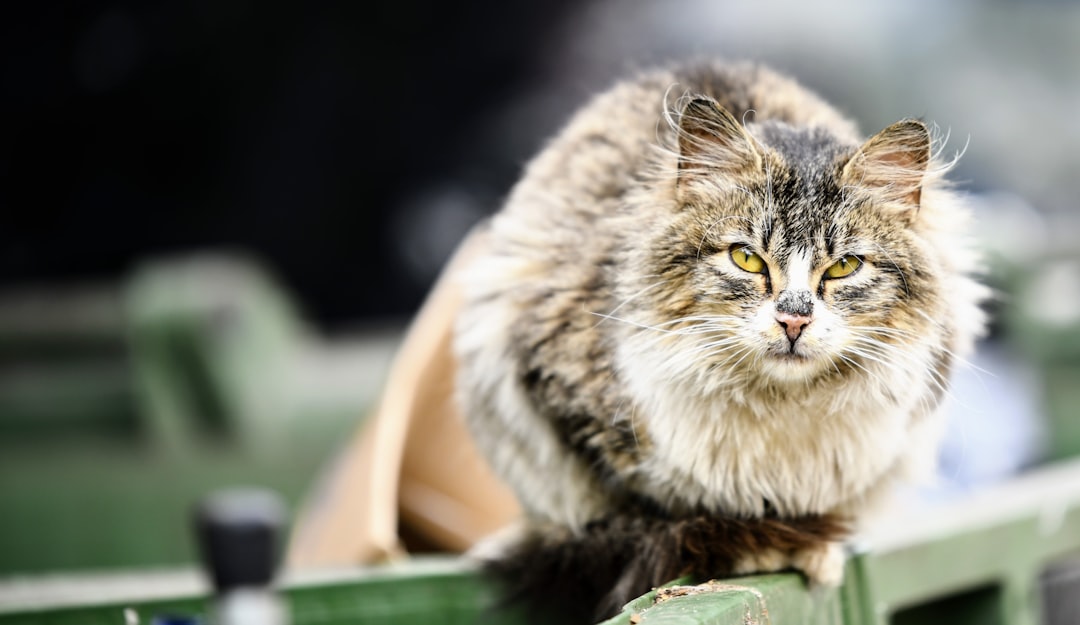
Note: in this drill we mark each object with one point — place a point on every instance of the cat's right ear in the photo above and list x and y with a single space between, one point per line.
712 141
894 162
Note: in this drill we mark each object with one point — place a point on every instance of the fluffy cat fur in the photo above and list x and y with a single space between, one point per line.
659 409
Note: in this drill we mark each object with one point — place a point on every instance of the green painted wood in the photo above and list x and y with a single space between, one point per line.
981 556
640 604
759 600
447 592
459 598
112 614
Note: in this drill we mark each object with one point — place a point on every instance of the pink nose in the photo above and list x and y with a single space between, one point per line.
792 324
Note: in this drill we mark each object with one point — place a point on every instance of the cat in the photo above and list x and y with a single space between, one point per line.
712 327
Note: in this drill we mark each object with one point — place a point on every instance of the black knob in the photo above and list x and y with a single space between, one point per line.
239 531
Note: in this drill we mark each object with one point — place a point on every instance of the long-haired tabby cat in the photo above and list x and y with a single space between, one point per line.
712 326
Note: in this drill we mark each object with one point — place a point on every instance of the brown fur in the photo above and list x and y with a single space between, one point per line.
566 577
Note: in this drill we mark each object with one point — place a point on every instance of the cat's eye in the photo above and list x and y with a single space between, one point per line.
843 268
747 260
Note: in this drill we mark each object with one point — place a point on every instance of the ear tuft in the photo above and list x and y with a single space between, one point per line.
712 140
894 162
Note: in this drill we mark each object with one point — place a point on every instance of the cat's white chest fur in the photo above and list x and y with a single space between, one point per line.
808 453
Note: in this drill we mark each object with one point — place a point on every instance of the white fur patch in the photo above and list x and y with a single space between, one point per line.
523 447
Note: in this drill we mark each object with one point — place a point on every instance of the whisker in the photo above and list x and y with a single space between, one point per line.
899 271
880 352
630 299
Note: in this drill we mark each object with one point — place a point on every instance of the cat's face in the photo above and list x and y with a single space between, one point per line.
791 261
801 284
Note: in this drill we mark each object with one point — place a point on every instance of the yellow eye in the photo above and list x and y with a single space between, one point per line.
747 260
843 267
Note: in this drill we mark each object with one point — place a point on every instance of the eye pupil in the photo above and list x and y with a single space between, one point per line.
746 259
843 267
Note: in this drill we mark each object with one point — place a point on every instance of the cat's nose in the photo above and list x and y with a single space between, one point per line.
792 324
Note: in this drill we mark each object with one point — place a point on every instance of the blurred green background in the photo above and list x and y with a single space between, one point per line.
122 404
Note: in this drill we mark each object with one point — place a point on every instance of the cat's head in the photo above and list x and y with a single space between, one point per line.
788 254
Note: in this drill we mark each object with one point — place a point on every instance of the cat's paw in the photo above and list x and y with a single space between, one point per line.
823 564
764 561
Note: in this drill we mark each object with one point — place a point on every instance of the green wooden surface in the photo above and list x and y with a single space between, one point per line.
764 599
992 546
446 592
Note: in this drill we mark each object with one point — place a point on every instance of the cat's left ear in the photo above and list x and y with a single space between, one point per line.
712 141
894 163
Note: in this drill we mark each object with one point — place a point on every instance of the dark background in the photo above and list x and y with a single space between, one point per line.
350 145
294 130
